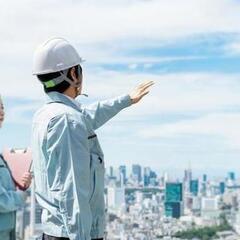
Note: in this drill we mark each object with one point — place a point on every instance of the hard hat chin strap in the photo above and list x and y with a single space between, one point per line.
63 77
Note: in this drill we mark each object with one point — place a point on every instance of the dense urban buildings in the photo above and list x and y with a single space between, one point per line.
142 205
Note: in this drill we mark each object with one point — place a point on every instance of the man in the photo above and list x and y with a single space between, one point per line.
10 199
67 158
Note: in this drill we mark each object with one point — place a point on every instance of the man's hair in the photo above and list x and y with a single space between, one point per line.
61 87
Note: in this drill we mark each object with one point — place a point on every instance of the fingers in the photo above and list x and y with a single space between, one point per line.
144 93
146 88
26 179
146 85
140 91
27 174
26 184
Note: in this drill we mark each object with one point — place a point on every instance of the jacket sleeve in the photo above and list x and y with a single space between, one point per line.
68 147
10 200
99 113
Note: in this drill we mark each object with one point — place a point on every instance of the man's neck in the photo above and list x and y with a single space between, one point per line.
70 92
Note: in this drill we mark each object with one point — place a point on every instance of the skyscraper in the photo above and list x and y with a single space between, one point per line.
231 176
187 179
146 176
222 187
173 192
172 209
116 197
123 173
194 187
173 200
111 171
204 185
137 171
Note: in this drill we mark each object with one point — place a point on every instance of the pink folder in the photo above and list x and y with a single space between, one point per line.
19 162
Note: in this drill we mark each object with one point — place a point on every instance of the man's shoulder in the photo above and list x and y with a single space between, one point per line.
57 112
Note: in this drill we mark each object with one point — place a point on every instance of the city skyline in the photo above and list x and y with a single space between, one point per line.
148 206
191 115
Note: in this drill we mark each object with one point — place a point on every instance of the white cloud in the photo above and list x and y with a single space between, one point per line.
232 48
100 29
181 92
132 66
224 127
119 23
172 93
147 65
19 114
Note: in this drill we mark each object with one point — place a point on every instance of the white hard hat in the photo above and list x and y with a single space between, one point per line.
54 55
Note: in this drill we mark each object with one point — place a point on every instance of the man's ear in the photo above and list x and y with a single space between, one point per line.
73 74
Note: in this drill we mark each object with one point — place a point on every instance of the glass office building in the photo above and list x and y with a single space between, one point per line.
194 187
173 200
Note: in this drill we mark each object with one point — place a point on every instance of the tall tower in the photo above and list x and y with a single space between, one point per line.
137 171
187 178
173 200
123 174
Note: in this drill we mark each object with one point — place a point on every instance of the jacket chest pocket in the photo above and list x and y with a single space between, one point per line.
97 170
94 144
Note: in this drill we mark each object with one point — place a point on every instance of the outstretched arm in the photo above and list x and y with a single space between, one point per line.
99 113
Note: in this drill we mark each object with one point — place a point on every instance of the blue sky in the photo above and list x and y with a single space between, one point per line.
191 49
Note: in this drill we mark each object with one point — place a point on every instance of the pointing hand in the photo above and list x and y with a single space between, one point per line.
140 91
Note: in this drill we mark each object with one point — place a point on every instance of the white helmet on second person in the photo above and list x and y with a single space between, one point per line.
55 55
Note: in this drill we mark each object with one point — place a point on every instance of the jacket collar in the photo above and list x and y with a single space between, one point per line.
56 97
2 162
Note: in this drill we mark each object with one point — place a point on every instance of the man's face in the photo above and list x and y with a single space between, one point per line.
79 89
1 114
78 80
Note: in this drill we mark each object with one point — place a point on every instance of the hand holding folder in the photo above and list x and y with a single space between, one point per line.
19 163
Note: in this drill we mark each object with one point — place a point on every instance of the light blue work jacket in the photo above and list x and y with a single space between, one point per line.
68 165
10 201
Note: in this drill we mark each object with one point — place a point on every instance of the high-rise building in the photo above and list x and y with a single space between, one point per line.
116 197
123 174
222 187
173 209
112 174
194 187
173 200
231 176
173 192
186 180
204 177
231 179
153 178
187 174
210 207
203 189
165 178
111 171
137 171
149 177
146 176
